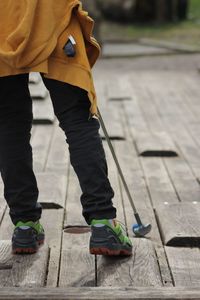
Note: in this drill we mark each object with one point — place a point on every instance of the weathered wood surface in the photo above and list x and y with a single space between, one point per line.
136 183
139 270
155 144
41 142
6 228
37 89
87 293
109 113
43 112
53 189
22 270
52 220
184 181
185 265
57 159
136 107
179 224
158 182
117 89
34 78
77 266
2 208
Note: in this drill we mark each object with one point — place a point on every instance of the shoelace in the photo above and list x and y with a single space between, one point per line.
123 226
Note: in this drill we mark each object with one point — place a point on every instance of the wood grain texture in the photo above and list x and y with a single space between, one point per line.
25 270
179 224
158 182
183 179
37 89
2 208
58 156
6 228
155 144
86 293
139 270
135 180
114 271
77 265
53 189
34 78
43 112
185 266
52 220
110 115
118 89
41 142
73 214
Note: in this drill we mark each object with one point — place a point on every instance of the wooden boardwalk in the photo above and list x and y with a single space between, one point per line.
153 118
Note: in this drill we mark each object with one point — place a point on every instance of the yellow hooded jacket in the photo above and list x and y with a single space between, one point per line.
33 34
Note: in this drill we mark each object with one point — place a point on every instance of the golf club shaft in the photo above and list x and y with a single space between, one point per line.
118 167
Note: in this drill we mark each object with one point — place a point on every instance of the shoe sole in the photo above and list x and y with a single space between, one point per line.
27 249
109 252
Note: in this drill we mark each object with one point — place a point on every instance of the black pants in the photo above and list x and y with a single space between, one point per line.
71 106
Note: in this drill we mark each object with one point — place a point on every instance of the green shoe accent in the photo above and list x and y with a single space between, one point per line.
35 225
117 229
27 237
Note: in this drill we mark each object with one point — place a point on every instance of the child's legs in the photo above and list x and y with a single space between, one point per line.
71 106
20 187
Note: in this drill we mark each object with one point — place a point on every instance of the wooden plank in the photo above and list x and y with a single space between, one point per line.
169 45
2 201
75 250
73 214
155 144
43 112
52 220
118 89
183 180
121 50
37 90
23 270
77 265
87 293
135 180
6 228
34 78
179 224
185 266
110 113
58 156
41 142
158 182
140 270
2 208
112 271
144 192
169 92
53 189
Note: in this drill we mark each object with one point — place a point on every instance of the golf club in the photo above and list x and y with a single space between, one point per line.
138 229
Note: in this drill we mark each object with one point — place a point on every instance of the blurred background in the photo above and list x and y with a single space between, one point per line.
176 21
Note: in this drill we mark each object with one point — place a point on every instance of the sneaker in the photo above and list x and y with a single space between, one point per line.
27 237
109 238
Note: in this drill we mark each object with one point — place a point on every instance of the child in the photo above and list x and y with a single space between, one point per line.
53 38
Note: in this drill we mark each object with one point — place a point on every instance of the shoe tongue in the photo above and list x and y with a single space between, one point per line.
24 227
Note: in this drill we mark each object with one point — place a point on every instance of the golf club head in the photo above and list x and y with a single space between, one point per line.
141 230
